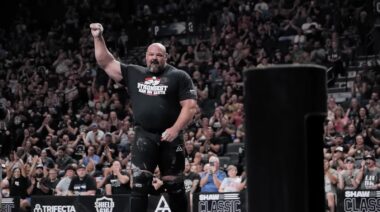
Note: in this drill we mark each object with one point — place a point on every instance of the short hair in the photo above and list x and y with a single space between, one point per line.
213 159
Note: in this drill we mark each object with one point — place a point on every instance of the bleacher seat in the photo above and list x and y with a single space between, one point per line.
224 161
234 158
234 147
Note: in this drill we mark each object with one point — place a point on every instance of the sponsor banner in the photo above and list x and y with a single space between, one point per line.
359 200
10 204
114 203
158 203
215 202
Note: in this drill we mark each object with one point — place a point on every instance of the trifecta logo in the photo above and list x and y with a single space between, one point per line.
162 205
152 87
54 208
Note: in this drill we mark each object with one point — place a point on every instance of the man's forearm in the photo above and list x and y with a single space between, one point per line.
204 180
216 181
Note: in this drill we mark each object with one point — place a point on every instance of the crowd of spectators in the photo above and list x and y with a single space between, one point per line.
70 125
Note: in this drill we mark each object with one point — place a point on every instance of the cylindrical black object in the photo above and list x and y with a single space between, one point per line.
285 108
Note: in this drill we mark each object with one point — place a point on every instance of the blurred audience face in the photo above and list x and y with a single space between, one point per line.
53 174
189 146
232 171
81 172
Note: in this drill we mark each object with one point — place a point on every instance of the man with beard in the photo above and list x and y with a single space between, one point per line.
37 182
191 179
369 174
82 184
163 102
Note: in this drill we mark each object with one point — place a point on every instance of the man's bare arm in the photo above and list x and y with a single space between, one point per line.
104 57
189 107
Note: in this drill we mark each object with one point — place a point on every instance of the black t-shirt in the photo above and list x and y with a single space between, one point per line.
86 184
156 97
37 191
113 148
51 184
349 139
190 156
189 179
18 187
79 150
116 186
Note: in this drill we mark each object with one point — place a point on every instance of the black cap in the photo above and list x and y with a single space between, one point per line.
81 166
370 157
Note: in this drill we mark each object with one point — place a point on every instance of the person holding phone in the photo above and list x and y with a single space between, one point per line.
212 178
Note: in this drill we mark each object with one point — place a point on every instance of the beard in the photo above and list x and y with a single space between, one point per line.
155 66
40 175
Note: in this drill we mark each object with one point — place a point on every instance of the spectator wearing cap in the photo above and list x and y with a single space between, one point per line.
337 159
38 186
94 136
338 141
62 187
232 183
348 178
369 174
82 184
212 178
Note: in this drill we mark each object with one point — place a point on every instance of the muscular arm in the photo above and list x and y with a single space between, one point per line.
187 113
188 110
104 58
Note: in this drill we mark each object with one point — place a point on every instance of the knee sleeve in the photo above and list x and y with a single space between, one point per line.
142 182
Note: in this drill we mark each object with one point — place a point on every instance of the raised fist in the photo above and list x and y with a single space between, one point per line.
96 29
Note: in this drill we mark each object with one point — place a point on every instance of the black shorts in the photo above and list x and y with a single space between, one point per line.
148 151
